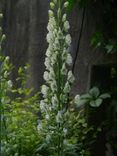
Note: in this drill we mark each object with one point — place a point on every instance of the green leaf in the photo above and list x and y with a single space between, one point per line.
81 102
94 92
86 96
105 96
96 103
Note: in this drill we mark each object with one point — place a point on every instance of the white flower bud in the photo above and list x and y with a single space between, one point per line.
44 90
47 116
52 5
71 77
66 26
46 76
50 37
42 106
7 58
64 17
51 14
66 4
47 63
48 52
68 39
9 83
3 38
1 15
76 99
69 59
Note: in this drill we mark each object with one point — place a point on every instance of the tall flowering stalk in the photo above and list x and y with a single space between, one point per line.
58 79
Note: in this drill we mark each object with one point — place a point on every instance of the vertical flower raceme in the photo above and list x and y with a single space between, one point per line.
58 79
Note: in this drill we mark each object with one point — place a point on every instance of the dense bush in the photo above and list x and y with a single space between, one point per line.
19 110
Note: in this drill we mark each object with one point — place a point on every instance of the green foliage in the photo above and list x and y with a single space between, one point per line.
82 132
93 98
19 110
19 134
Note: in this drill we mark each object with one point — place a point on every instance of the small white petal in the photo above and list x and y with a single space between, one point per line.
46 76
68 39
69 59
51 14
71 77
66 26
64 17
44 90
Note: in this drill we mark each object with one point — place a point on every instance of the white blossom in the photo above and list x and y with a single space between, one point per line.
51 14
68 39
46 76
44 90
66 4
47 63
64 17
47 116
48 53
76 99
54 101
69 59
10 84
66 26
42 106
52 5
51 24
70 77
50 37
7 58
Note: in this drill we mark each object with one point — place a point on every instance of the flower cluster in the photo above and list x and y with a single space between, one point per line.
58 78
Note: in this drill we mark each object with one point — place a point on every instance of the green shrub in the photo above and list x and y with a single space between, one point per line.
19 108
